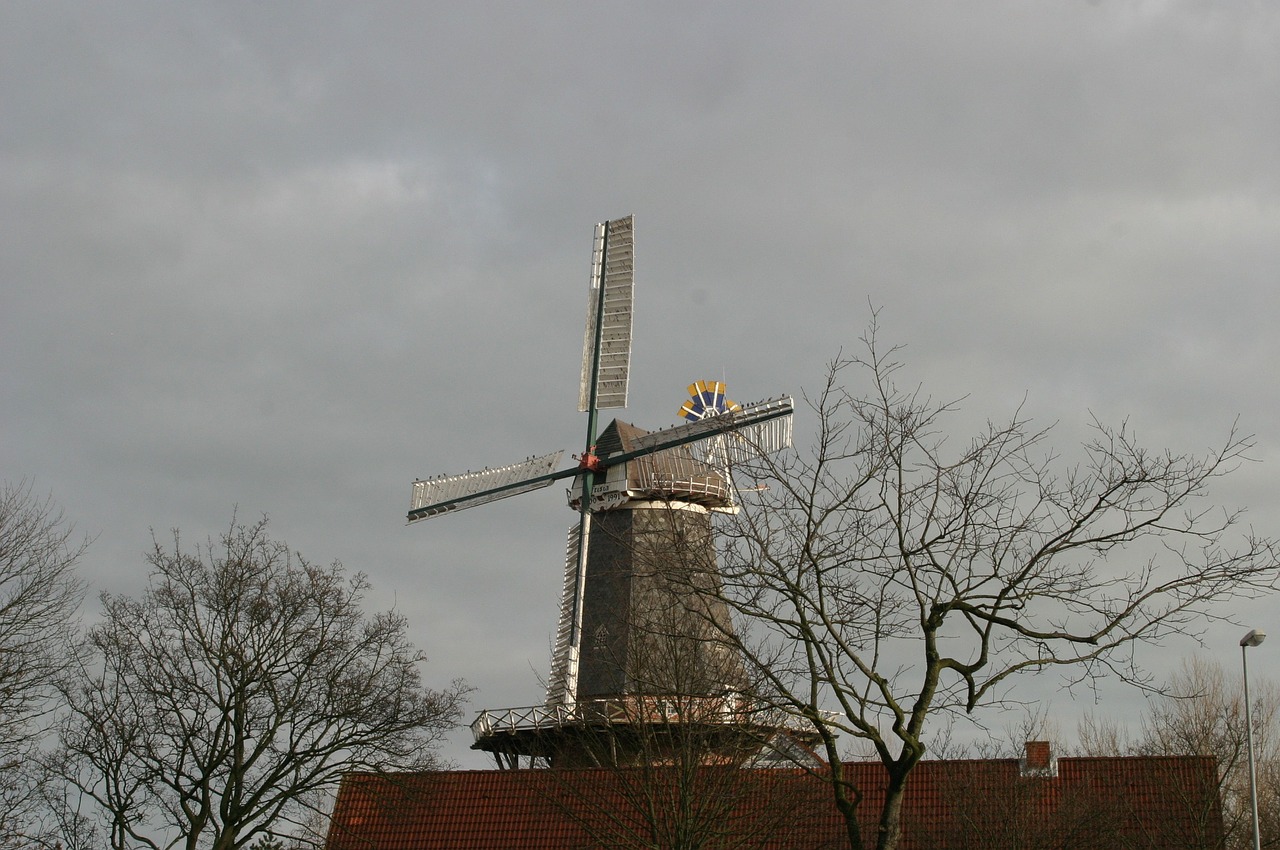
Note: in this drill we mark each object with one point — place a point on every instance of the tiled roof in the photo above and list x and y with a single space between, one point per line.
1091 802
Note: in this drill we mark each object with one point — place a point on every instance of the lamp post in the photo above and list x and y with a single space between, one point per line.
1254 638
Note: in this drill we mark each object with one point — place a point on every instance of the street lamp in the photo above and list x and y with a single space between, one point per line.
1254 638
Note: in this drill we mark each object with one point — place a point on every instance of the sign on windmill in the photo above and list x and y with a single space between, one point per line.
625 467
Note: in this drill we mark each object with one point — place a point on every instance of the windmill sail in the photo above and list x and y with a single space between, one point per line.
435 496
745 442
558 690
752 431
738 436
612 267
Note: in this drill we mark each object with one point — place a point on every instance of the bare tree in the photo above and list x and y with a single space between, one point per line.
241 681
1200 712
310 825
676 780
1202 715
891 579
1268 802
683 787
39 595
1098 736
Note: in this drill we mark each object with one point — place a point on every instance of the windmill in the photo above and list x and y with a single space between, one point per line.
639 495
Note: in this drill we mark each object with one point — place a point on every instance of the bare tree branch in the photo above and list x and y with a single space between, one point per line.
39 595
893 578
244 680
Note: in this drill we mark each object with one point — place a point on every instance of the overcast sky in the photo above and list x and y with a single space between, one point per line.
286 257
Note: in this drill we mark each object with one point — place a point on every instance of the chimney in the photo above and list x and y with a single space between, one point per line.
1039 760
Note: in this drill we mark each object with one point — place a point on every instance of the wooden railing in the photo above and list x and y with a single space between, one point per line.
729 709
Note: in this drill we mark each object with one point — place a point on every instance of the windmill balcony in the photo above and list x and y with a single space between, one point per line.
731 709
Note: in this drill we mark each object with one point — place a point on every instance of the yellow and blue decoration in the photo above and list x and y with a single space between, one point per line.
707 398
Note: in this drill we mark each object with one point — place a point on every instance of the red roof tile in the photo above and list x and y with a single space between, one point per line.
1111 802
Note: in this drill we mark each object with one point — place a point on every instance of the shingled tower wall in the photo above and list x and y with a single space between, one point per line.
647 629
